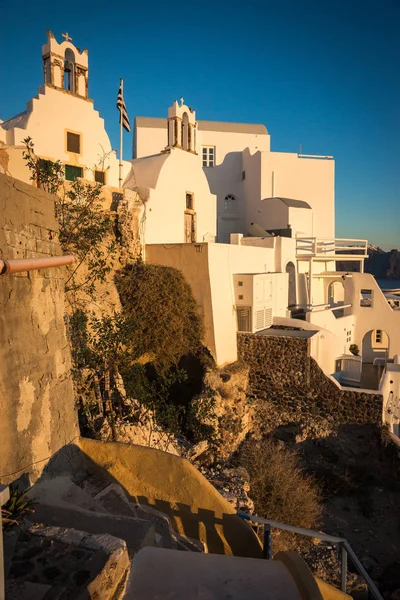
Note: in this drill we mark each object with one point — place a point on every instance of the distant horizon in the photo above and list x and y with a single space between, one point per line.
322 77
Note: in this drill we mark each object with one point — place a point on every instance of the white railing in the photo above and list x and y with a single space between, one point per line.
350 369
335 248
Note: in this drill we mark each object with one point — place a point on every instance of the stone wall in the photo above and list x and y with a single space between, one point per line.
36 393
283 374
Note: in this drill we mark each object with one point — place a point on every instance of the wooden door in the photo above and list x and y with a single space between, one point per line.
190 228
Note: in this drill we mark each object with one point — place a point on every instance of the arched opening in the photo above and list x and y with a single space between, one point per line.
291 270
335 292
230 202
185 131
375 353
375 345
69 70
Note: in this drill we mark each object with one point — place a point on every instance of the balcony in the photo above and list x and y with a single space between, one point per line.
330 249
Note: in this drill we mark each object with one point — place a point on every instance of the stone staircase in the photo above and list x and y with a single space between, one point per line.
94 521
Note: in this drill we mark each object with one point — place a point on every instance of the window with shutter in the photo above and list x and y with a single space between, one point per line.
268 317
260 319
73 142
189 201
100 177
244 318
72 172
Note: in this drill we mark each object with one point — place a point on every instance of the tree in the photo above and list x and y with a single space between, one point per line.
85 229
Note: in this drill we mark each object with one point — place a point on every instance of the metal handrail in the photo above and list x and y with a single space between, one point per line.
343 546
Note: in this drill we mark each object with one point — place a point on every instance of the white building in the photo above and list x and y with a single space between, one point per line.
62 122
179 206
277 253
245 176
252 230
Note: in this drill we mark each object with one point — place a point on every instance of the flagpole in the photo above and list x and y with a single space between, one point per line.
121 81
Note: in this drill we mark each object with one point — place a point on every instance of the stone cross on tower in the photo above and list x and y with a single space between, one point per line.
65 67
182 127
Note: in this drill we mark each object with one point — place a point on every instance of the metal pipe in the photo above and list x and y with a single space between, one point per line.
33 264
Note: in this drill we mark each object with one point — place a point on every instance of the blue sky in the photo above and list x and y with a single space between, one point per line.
321 74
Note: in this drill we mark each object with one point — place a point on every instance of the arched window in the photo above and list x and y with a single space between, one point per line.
185 131
230 202
69 70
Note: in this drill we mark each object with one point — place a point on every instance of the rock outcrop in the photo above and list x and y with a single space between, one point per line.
230 413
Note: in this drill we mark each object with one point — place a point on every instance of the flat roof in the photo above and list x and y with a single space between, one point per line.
291 202
160 123
304 333
258 273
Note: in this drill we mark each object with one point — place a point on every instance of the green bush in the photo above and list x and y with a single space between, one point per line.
354 349
160 302
16 507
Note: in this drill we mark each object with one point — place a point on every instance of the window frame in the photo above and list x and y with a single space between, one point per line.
78 134
207 160
189 209
66 165
103 174
364 302
230 202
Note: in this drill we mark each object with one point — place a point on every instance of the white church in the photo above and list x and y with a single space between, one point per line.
252 230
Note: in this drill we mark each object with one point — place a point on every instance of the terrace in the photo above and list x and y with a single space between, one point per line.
308 248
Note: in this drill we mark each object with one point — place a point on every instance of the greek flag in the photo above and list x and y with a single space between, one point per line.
123 115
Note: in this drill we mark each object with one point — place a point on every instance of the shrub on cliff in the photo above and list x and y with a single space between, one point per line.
85 229
161 303
279 488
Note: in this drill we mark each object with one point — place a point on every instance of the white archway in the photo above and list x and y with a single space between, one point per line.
335 292
185 131
375 352
375 345
69 70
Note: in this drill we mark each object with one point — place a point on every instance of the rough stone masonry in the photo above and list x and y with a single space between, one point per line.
283 373
36 393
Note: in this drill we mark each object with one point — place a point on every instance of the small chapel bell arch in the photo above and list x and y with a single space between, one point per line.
69 70
182 127
65 66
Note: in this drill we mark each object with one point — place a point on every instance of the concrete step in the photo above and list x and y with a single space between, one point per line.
214 576
115 501
62 491
137 533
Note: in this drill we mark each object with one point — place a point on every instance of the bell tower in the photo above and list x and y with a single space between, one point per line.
65 66
182 127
